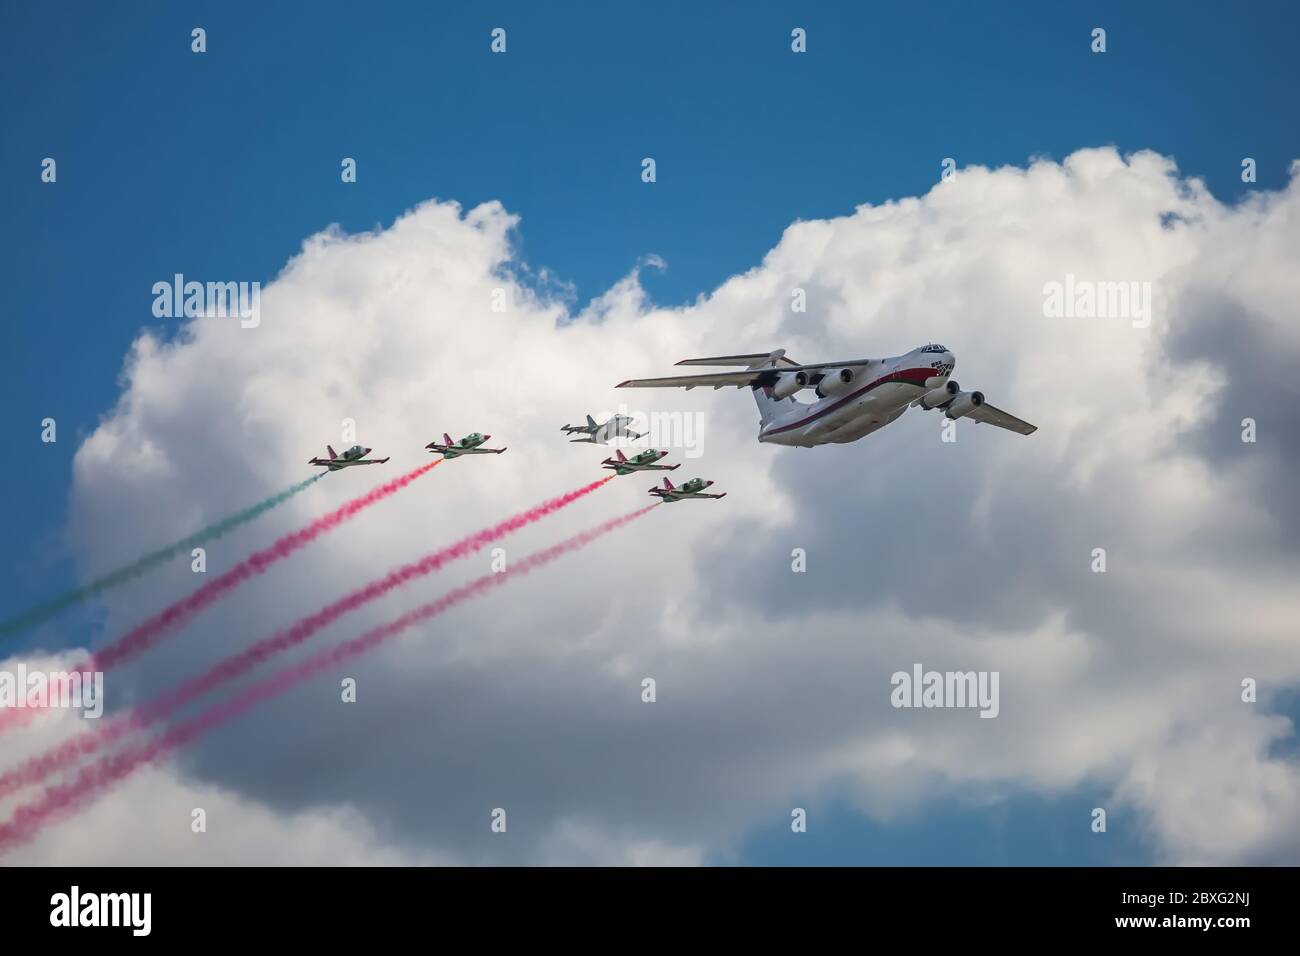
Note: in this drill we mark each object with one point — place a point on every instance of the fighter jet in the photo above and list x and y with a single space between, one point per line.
469 445
853 398
616 427
356 455
690 491
645 461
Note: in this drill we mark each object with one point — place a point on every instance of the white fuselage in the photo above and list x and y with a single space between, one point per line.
616 427
880 393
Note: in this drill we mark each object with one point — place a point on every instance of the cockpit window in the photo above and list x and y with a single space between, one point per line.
934 348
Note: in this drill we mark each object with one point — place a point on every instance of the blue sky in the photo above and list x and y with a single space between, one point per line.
221 164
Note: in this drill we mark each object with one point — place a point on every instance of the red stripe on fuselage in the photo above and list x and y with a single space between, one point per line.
908 376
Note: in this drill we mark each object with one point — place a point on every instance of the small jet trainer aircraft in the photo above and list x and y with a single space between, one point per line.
356 455
645 461
690 491
853 398
616 427
469 445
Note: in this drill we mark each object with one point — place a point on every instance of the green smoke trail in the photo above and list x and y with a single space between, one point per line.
48 609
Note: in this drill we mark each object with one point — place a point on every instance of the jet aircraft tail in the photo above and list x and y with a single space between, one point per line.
769 406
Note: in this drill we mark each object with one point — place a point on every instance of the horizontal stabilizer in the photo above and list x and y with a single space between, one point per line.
745 361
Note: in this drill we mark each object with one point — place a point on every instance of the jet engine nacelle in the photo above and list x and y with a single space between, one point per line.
964 404
940 396
833 381
786 385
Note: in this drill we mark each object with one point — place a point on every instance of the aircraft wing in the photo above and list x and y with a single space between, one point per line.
761 376
752 359
715 379
995 416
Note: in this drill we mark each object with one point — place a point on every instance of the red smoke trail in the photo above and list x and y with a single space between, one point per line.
39 767
58 801
146 635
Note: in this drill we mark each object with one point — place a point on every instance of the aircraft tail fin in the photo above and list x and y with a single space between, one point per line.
330 449
591 422
769 406
446 439
668 485
619 453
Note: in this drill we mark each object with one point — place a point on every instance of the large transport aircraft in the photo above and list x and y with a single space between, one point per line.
853 399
